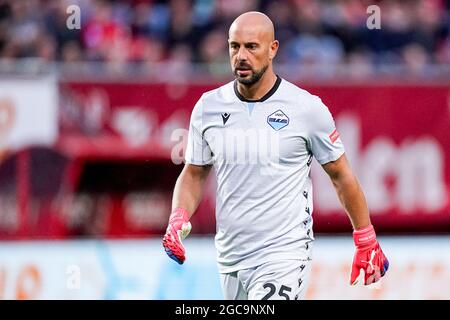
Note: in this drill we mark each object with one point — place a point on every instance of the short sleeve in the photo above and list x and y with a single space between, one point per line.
197 150
323 137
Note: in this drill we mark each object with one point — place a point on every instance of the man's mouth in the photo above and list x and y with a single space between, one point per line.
243 71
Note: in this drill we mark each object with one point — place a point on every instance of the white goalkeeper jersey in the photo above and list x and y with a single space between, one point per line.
262 152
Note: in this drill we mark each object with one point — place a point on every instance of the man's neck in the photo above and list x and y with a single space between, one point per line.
259 89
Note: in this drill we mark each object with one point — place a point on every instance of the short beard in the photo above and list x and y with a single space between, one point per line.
254 78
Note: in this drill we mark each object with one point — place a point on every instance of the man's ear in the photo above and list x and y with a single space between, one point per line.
273 49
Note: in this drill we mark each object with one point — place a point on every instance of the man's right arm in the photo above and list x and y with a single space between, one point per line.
187 195
188 190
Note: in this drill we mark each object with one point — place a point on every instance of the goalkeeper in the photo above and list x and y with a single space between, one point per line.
264 235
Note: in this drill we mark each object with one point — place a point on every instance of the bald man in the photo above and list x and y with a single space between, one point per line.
260 133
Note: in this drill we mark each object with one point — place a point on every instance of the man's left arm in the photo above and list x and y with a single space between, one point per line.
368 258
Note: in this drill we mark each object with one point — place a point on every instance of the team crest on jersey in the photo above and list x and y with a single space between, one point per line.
278 120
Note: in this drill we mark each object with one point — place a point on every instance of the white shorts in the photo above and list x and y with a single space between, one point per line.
275 280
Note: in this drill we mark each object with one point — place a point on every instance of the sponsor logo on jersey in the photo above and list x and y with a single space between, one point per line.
278 120
334 136
225 117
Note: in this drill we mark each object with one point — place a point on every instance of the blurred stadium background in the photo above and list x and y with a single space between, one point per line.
93 121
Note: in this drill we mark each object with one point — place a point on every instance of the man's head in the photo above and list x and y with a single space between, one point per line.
252 46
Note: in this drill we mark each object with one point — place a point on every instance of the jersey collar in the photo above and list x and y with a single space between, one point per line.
264 98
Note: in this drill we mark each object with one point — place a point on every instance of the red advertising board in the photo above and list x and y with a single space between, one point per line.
396 137
398 140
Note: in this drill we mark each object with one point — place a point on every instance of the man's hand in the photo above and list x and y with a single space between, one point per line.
177 230
369 261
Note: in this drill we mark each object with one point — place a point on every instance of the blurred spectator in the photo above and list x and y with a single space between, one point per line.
415 57
214 50
71 52
314 33
359 63
102 34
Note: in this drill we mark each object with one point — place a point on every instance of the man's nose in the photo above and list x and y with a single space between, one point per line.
242 54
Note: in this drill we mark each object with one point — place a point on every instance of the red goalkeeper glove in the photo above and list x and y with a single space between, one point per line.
177 230
369 260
